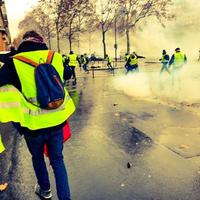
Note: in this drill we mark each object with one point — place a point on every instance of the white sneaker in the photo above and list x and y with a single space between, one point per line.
45 194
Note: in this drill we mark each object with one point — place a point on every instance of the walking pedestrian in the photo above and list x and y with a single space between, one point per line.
109 62
85 61
67 70
177 61
39 126
73 63
164 60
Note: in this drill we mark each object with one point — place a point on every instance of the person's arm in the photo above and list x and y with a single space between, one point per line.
171 60
139 56
185 59
8 75
5 75
78 60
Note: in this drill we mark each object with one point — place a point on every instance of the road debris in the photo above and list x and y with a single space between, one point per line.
3 186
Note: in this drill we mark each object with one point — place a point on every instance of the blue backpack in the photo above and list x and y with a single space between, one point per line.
50 89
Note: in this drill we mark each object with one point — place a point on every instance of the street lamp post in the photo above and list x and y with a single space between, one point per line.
115 45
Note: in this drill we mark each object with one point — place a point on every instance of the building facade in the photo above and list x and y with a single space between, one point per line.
4 31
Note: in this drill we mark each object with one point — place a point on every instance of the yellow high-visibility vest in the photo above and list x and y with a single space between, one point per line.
179 59
133 61
16 106
127 57
164 60
109 59
73 60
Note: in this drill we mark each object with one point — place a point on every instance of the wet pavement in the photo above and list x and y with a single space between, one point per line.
109 130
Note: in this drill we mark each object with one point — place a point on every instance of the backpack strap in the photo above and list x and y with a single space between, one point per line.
50 56
34 64
26 60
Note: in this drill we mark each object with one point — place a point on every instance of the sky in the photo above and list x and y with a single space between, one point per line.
16 10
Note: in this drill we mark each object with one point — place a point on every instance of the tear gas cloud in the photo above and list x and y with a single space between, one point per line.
183 32
151 86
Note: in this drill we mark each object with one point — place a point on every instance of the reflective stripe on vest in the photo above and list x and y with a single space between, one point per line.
179 59
133 61
14 107
73 60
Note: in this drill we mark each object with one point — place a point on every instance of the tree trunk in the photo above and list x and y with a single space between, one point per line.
89 40
127 35
70 38
127 40
70 42
104 42
49 39
78 41
49 42
58 39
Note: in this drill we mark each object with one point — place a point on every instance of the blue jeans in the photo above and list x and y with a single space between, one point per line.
54 141
132 68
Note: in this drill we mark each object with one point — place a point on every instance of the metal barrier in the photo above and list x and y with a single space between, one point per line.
101 66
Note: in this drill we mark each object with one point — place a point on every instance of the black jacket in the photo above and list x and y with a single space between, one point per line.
8 75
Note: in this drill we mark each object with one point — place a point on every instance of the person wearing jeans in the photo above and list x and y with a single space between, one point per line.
54 141
38 125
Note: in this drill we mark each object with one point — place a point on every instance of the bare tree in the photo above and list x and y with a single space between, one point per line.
39 21
45 24
106 18
77 14
133 11
28 23
56 12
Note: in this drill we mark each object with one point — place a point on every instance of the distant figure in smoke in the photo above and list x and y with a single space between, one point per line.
132 63
199 55
164 60
126 57
85 61
109 62
177 62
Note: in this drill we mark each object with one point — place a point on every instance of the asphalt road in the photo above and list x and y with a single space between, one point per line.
109 130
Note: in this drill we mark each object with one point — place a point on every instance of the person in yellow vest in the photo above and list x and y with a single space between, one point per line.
18 103
132 63
85 61
164 60
177 61
109 62
73 62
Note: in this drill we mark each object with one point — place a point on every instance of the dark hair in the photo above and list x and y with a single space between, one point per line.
30 34
33 34
177 49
